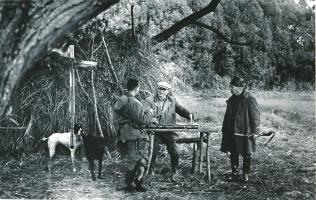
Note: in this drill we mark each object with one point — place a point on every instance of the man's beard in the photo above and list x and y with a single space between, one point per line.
162 97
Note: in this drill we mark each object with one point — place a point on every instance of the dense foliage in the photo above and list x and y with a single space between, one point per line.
280 33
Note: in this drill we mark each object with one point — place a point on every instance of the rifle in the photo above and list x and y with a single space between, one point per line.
205 127
270 133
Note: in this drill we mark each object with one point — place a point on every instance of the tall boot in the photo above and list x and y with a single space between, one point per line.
234 162
246 167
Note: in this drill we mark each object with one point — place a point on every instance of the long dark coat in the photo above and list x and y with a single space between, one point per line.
238 134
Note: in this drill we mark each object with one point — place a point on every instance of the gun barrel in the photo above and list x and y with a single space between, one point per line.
179 127
169 126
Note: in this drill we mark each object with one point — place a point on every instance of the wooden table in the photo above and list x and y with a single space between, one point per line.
203 129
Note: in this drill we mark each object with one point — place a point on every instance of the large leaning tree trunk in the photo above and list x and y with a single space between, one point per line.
30 28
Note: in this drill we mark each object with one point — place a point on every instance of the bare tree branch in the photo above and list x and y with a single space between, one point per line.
221 35
164 35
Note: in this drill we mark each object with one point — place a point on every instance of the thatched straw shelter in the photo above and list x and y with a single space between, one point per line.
43 94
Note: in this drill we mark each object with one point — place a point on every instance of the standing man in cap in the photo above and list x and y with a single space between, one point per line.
241 123
133 142
165 107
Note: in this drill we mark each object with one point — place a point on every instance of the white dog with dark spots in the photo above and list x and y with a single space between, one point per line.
64 139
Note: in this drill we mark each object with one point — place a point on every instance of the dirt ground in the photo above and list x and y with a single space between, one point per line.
284 169
276 174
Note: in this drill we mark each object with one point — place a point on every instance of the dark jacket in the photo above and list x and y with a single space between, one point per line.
130 111
238 130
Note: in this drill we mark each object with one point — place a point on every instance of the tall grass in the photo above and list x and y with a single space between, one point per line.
279 111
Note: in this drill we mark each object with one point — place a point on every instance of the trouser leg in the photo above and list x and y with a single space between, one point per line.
174 154
234 162
246 163
122 147
136 163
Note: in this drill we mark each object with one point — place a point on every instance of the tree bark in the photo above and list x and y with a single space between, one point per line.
30 29
164 35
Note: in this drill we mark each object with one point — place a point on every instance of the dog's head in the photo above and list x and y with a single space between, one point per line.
78 129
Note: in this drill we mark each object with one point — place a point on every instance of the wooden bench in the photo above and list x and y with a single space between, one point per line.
197 149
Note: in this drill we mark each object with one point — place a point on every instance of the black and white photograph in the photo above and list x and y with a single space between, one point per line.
157 99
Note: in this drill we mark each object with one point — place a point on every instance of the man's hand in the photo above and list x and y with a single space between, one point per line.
191 117
154 120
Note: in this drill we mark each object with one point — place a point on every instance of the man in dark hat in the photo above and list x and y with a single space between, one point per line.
241 123
133 142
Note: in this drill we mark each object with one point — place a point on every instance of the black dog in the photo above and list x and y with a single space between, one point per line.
94 148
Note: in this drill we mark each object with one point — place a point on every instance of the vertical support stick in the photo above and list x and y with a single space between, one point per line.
208 167
132 14
95 106
201 153
111 65
194 158
72 103
151 149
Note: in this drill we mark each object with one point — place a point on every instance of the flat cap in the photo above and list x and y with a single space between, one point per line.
164 85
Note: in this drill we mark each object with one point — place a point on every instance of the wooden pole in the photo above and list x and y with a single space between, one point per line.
151 149
72 102
111 65
208 167
133 29
194 157
201 152
95 105
13 128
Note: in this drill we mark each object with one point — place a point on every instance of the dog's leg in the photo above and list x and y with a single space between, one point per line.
91 167
100 168
72 152
52 151
80 149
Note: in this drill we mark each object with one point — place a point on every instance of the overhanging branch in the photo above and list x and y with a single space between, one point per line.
164 35
221 35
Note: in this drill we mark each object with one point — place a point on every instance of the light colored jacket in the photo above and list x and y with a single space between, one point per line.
167 109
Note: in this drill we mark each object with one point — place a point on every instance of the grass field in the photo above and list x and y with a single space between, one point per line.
284 169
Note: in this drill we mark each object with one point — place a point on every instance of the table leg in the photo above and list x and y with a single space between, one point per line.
201 153
151 149
208 167
194 157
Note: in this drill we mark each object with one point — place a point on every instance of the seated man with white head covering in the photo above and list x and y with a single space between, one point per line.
165 108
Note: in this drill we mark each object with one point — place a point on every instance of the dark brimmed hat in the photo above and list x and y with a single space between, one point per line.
237 81
132 84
